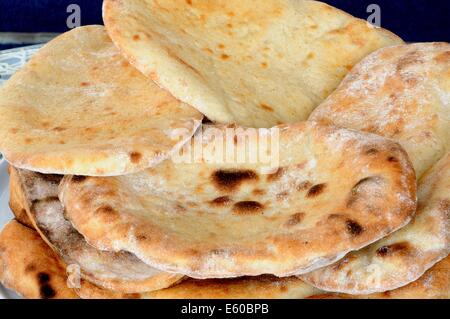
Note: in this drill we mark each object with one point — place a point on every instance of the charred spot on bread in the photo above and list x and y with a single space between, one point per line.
392 159
353 227
135 157
45 289
248 208
316 190
220 201
371 151
106 209
398 248
229 180
295 219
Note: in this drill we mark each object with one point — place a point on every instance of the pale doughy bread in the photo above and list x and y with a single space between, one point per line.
78 107
254 63
434 284
403 256
122 272
333 191
400 92
29 267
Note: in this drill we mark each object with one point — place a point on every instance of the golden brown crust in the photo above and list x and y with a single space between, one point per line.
167 215
29 266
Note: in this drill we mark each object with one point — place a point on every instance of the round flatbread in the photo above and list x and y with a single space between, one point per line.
121 272
403 256
434 284
210 219
254 63
78 107
29 267
399 92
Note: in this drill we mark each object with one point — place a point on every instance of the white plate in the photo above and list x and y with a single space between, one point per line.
5 215
10 62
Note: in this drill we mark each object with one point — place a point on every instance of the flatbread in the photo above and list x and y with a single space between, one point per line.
34 252
15 204
122 272
399 92
261 287
79 108
333 191
29 267
254 63
434 284
403 256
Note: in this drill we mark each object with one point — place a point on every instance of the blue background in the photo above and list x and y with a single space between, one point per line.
413 20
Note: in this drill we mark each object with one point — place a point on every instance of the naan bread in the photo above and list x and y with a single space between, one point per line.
29 267
37 194
401 92
254 63
333 191
403 256
434 284
79 108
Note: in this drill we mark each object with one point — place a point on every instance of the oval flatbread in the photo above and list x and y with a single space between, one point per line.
122 272
211 219
78 107
400 92
254 63
403 256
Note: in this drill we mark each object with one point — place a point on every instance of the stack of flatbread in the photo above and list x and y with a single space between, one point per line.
133 171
